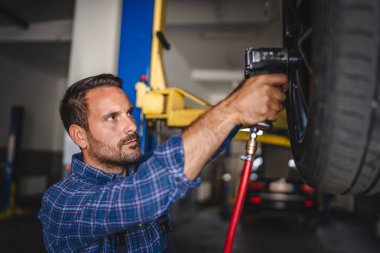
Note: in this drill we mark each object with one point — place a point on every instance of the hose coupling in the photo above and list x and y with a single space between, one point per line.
251 146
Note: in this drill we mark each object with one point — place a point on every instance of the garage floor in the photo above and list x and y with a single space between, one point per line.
204 231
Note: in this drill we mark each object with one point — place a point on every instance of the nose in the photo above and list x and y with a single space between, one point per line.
129 125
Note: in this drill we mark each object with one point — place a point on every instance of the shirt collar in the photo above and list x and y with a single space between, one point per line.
91 173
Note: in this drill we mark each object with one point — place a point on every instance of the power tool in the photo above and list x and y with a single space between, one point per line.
258 61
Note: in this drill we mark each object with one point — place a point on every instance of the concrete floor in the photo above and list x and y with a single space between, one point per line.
21 234
204 231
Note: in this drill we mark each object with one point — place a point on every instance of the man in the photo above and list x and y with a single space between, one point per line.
115 199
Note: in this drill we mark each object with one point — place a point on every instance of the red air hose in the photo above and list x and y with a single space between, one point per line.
239 202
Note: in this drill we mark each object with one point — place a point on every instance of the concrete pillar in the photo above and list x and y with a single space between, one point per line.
94 48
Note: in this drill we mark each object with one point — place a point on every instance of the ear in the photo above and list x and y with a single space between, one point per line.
79 136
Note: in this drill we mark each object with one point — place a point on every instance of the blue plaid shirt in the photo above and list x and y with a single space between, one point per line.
84 211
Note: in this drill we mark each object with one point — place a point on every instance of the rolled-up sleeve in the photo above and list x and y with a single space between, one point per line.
171 157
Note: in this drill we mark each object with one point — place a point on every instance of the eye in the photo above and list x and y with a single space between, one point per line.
130 113
111 118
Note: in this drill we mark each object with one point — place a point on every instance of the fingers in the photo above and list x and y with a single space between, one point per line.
273 117
259 98
275 103
279 81
276 80
278 94
269 109
272 109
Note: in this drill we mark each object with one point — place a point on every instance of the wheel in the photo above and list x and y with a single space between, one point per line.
333 101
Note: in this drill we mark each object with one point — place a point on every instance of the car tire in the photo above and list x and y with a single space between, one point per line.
339 151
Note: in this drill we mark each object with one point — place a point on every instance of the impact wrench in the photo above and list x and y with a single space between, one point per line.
258 61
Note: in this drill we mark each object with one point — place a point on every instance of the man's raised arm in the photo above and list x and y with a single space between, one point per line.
257 99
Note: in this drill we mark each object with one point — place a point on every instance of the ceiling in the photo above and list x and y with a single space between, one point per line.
50 55
16 12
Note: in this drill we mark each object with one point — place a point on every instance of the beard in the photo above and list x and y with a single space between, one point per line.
114 155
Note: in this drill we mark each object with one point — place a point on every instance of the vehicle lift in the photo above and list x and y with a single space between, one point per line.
9 170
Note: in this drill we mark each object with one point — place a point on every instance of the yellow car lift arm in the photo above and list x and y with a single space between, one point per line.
159 102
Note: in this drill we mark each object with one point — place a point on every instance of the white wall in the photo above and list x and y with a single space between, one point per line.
26 78
178 72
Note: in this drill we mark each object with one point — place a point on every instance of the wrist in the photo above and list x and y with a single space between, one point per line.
229 111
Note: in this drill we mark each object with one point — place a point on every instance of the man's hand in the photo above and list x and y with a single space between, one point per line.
257 99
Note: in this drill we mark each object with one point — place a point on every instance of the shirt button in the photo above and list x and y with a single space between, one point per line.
140 225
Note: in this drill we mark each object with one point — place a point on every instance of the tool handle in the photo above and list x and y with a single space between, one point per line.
265 61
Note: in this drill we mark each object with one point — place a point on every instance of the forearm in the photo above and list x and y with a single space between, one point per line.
257 99
204 136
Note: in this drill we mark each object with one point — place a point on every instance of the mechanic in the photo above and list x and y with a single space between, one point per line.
115 199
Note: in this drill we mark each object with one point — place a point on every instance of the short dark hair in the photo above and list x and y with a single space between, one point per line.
73 108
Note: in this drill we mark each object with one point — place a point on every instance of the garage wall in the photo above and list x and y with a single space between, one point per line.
178 72
24 82
211 37
34 75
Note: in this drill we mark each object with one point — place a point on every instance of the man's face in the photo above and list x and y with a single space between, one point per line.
112 137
